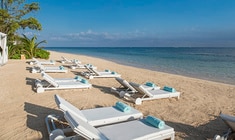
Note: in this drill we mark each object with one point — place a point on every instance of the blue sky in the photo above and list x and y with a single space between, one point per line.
136 23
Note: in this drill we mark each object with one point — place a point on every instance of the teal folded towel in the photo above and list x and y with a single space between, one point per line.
78 78
170 89
84 81
89 65
61 67
150 84
113 72
123 107
155 122
107 70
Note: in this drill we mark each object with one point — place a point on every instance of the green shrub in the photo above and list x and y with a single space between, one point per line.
40 53
16 56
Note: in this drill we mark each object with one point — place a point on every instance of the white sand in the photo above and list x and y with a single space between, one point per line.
193 116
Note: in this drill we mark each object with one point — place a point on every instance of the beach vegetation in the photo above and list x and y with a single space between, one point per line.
30 47
15 15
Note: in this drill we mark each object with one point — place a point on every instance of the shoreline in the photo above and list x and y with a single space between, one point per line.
206 74
193 116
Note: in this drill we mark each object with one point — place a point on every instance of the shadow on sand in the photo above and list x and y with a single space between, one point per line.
36 117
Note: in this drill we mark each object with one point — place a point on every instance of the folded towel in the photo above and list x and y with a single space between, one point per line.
113 72
123 107
75 61
61 67
170 89
150 84
78 78
88 65
84 81
155 121
107 70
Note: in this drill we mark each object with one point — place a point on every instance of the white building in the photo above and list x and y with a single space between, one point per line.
3 49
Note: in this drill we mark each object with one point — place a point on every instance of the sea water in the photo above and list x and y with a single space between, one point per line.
215 64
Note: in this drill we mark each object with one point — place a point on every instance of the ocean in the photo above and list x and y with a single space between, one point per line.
214 64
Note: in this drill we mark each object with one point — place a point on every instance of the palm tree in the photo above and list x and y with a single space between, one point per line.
30 46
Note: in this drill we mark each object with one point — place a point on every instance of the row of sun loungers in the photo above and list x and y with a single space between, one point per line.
147 91
106 123
116 122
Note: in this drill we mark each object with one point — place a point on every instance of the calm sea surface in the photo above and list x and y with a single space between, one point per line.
215 64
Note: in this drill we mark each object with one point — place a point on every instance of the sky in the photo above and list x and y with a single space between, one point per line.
136 23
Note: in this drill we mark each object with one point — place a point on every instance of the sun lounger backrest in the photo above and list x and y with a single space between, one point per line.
95 71
90 70
82 128
66 106
34 59
125 84
229 120
141 89
65 59
49 79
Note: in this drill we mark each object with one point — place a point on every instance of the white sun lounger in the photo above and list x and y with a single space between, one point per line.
95 117
130 130
80 66
53 69
35 61
73 61
150 93
76 78
124 88
99 116
93 73
230 134
53 85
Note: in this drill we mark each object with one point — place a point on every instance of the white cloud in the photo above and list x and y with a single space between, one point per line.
58 38
30 34
90 35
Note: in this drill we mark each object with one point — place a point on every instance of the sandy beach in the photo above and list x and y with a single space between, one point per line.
193 116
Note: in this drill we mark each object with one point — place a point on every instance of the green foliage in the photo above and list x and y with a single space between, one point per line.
42 54
14 16
30 47
16 56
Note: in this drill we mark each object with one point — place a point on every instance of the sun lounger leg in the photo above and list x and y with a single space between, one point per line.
40 89
137 101
227 136
54 133
90 77
73 67
57 134
121 93
33 70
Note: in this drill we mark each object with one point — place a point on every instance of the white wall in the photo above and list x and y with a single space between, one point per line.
4 49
